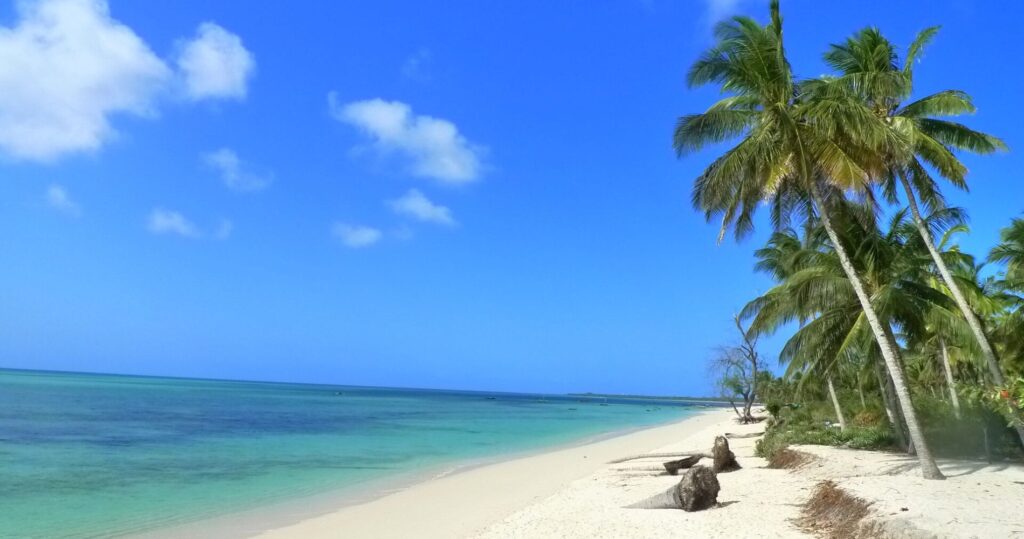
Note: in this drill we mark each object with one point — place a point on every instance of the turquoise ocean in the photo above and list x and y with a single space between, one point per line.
91 455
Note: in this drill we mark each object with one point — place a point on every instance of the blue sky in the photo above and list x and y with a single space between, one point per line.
389 193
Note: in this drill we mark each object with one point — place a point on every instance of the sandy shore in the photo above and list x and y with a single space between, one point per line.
576 493
754 501
466 503
978 500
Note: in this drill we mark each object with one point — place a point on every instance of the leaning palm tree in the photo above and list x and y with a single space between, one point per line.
813 290
794 144
867 62
948 335
800 296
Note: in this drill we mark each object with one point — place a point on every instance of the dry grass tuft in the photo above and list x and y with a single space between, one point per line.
832 512
788 459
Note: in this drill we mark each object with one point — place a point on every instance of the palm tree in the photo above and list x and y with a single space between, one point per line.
867 62
1010 251
948 335
1009 323
795 145
799 296
814 291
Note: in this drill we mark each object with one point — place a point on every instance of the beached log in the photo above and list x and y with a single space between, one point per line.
734 436
673 466
724 459
696 490
679 454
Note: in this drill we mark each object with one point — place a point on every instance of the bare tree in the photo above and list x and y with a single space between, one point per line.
735 368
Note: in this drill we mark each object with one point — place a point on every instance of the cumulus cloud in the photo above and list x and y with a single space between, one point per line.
356 236
236 174
65 67
58 198
434 147
171 222
416 205
215 64
68 68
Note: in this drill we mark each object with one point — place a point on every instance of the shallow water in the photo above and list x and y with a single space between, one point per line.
83 455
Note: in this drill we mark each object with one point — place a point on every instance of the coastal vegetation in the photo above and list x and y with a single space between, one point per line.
900 338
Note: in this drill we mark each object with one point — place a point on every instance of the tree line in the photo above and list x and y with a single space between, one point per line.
850 166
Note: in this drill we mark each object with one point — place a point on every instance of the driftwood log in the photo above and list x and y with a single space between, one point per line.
696 490
661 456
724 460
673 466
732 436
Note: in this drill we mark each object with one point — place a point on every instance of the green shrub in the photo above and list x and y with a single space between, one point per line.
867 438
800 415
774 407
780 437
769 445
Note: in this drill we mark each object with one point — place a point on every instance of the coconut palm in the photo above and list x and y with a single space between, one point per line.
868 65
1010 251
947 335
814 291
794 145
788 259
1008 324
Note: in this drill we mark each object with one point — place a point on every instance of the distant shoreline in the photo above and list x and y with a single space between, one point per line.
696 400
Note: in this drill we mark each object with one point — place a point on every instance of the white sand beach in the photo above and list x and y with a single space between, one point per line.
467 503
575 492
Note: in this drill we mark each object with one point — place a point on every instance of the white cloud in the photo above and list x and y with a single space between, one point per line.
356 236
433 145
215 64
65 67
171 222
417 206
58 198
235 173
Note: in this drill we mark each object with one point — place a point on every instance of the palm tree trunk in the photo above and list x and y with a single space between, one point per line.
911 449
972 319
929 470
889 402
949 379
860 392
835 403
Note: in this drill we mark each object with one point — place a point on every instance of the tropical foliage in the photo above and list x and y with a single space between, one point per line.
889 316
